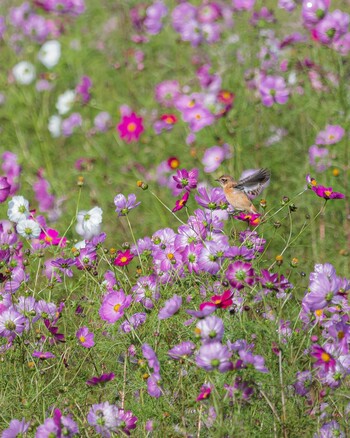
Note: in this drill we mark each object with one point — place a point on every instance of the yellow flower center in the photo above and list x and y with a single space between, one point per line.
191 103
327 192
123 259
48 239
319 312
170 256
117 307
198 116
82 338
313 182
197 331
325 357
341 335
131 127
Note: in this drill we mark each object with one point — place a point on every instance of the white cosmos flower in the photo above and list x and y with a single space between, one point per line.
55 126
89 223
18 209
28 228
24 72
50 53
65 102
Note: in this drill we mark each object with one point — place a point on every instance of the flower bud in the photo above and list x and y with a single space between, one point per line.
279 259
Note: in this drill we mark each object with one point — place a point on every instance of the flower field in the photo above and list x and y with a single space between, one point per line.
175 218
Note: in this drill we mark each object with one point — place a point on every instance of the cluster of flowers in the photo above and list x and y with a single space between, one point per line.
104 417
319 156
202 24
147 19
329 28
198 247
325 315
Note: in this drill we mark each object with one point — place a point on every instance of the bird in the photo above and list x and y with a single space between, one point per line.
238 193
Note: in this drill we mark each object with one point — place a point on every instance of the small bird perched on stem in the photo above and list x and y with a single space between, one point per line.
238 193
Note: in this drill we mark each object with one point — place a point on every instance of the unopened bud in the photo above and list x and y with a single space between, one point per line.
279 259
294 262
80 181
263 203
142 185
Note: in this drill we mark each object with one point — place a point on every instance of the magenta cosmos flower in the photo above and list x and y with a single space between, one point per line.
104 378
85 337
186 179
130 128
273 89
180 203
123 258
327 193
113 306
322 191
240 274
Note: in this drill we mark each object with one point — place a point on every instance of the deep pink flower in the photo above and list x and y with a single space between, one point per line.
52 237
324 359
180 203
123 258
130 128
219 301
204 392
252 219
327 193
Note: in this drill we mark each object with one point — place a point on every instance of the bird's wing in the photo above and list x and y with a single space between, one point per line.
253 185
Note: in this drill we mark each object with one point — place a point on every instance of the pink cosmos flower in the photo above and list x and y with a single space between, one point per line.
83 89
130 128
214 156
43 355
5 188
273 89
113 306
85 338
171 306
331 135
